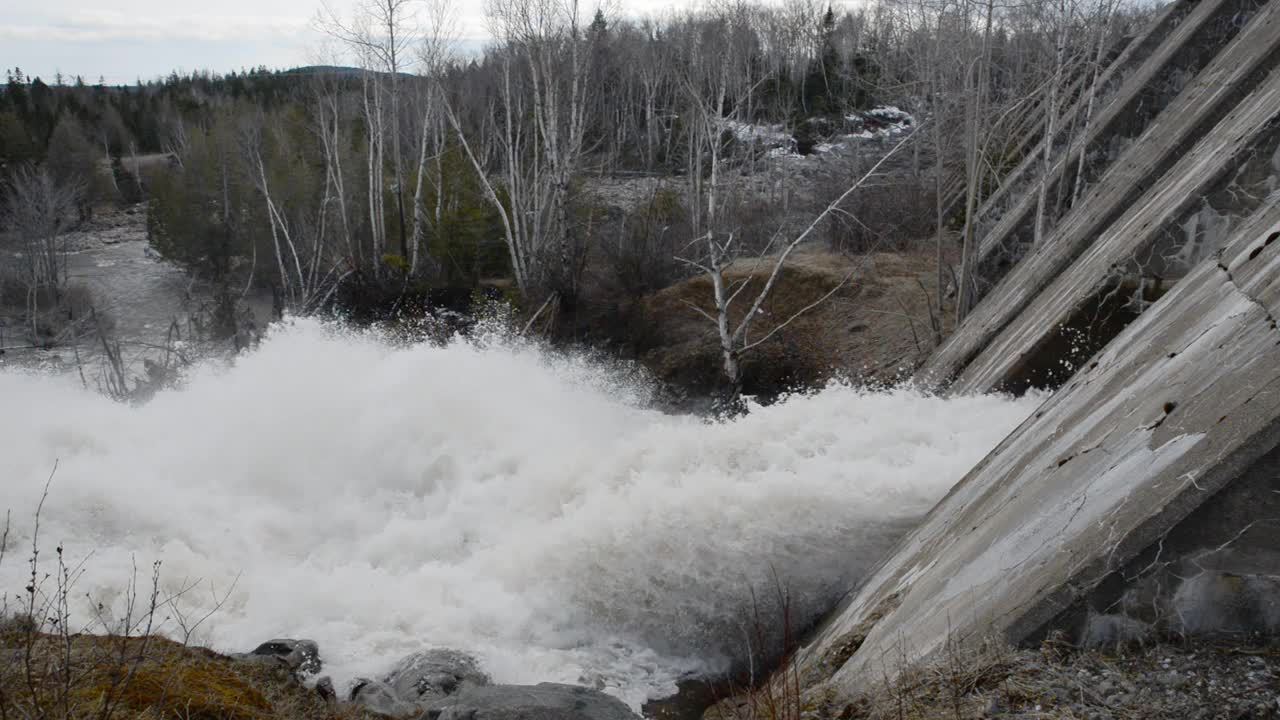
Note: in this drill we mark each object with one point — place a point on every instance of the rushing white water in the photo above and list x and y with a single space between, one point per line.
528 509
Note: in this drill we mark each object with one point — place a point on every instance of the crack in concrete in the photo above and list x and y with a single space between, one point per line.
1271 319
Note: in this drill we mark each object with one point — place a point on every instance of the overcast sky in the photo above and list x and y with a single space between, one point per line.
123 40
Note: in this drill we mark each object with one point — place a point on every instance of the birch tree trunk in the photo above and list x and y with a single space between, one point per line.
1051 119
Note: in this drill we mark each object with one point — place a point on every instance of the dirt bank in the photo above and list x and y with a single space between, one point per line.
875 328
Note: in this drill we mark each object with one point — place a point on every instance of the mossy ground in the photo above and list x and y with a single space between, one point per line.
112 678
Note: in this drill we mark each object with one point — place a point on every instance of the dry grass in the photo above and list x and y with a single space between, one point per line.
777 695
101 676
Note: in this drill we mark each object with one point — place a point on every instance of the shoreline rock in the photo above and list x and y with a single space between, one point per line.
544 701
418 680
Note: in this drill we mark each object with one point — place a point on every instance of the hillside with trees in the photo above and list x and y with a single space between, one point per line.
584 166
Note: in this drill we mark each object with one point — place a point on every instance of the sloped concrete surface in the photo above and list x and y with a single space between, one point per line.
1130 53
1190 148
1169 416
1207 168
1044 292
1190 32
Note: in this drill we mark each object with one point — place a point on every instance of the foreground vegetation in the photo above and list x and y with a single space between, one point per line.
51 676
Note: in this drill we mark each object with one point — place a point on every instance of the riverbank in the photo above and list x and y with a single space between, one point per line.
112 678
53 675
1235 678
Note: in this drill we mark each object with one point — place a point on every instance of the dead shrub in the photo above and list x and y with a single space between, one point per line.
640 257
882 218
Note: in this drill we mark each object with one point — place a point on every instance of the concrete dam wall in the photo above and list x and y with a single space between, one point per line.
1155 209
1143 497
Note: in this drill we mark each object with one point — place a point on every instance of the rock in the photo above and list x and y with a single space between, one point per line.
1113 631
381 698
1230 603
432 674
545 701
302 656
419 681
324 688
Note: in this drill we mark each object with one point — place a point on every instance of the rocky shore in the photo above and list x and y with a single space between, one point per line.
94 676
104 677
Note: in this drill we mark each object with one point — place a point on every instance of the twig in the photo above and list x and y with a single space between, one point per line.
782 258
4 538
534 319
911 322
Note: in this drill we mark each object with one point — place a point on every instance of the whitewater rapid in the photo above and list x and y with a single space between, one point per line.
527 508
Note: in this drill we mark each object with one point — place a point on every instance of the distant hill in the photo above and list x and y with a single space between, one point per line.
340 70
332 70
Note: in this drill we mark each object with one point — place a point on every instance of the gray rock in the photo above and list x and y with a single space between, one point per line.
545 701
1223 602
432 674
1113 630
301 656
418 681
325 689
381 698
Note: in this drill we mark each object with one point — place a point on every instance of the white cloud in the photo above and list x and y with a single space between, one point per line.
124 39
102 26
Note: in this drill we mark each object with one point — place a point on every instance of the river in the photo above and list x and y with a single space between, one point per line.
525 506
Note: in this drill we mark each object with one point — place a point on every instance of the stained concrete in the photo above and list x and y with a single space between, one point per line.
1132 188
1128 53
1146 465
1190 37
1143 497
1197 147
1245 142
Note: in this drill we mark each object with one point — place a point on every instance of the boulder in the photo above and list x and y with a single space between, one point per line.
418 681
432 674
325 689
301 656
545 701
379 697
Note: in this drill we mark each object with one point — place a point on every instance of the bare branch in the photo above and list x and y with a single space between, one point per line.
782 258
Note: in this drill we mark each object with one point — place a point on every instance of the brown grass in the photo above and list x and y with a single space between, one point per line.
149 677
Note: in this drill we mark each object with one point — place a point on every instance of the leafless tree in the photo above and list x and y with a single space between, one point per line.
710 76
38 208
307 268
381 34
543 65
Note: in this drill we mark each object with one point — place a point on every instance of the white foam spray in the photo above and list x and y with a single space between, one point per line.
382 498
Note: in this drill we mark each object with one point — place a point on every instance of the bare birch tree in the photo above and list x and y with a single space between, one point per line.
712 85
381 34
543 75
1061 18
976 79
38 208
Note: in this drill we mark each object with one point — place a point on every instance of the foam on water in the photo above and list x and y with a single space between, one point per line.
528 509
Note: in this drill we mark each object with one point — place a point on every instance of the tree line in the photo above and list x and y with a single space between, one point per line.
407 163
